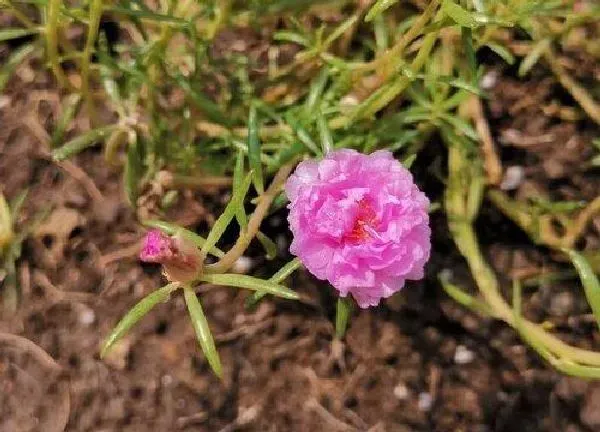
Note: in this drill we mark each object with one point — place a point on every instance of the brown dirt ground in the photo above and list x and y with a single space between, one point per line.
417 363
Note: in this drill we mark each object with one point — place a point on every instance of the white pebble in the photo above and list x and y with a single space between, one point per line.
87 317
425 401
166 380
513 177
401 391
489 80
462 355
242 265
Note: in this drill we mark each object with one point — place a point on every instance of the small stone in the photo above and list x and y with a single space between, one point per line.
489 80
166 380
247 415
87 317
242 265
401 391
562 304
462 355
425 401
513 177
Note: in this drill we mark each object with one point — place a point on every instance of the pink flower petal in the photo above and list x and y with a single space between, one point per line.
360 222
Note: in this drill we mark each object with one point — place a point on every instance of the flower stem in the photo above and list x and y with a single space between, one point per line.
253 223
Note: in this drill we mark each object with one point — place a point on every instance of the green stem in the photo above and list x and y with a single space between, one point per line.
52 40
253 223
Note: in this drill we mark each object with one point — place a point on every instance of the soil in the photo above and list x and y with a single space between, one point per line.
419 362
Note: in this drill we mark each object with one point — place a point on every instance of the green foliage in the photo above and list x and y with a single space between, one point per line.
180 95
203 333
343 310
135 314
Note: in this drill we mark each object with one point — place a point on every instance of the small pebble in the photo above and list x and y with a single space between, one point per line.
166 380
87 317
401 391
242 265
489 80
425 401
462 355
513 177
562 304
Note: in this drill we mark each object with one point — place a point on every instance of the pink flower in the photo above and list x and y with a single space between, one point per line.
180 259
360 222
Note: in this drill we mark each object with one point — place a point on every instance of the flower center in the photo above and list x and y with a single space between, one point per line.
366 220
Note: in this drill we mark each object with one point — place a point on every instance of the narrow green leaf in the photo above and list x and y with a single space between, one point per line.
228 214
268 245
251 283
464 85
316 91
409 160
325 134
378 8
343 310
135 314
172 229
70 106
12 62
502 51
203 333
15 33
285 155
238 180
82 142
461 126
465 299
575 369
6 224
460 16
254 150
406 137
281 275
455 100
284 272
466 35
111 87
204 104
288 36
340 30
302 134
382 36
533 56
590 282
